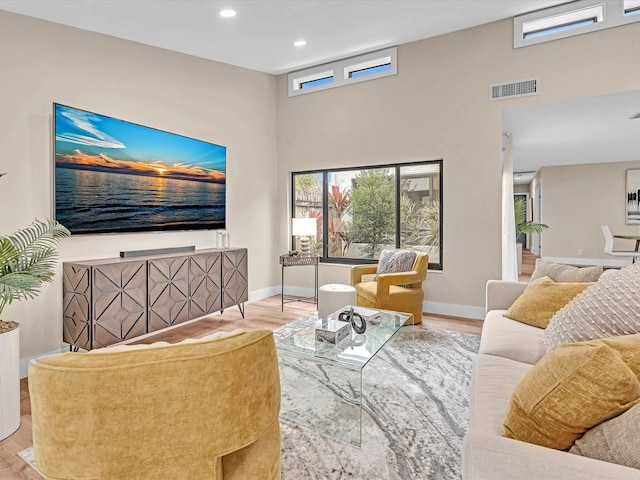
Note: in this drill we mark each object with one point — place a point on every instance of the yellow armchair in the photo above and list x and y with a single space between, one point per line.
201 410
386 293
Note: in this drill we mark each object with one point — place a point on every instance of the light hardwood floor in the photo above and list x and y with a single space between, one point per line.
264 314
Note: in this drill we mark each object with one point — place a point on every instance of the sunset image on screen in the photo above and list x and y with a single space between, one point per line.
113 176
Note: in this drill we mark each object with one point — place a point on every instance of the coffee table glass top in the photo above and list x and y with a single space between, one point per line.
354 351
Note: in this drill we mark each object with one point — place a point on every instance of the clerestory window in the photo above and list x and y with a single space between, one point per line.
573 18
344 72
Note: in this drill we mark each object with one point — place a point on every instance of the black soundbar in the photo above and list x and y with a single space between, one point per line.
157 251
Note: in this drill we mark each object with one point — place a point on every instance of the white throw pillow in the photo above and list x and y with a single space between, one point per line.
559 272
609 308
395 261
614 441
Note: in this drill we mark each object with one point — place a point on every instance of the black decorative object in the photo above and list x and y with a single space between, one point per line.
353 318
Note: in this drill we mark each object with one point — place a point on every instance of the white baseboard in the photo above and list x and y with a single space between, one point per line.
605 262
264 293
296 291
451 309
465 311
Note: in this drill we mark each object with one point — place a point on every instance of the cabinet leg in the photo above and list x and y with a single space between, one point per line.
241 308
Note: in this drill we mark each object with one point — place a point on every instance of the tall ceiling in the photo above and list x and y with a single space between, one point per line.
261 35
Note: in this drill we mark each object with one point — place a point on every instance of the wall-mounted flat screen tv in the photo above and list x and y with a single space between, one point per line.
116 176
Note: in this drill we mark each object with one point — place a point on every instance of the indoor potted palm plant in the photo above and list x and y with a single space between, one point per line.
27 260
524 226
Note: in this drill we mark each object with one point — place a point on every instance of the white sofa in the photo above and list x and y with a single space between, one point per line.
508 349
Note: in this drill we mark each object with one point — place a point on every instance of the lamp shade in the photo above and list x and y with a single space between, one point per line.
304 227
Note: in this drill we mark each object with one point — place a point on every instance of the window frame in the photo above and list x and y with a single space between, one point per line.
324 258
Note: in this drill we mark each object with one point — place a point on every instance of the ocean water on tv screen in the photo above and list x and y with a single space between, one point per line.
89 201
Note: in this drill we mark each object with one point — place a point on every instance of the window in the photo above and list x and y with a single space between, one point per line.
574 18
631 7
344 72
369 70
361 211
315 83
563 21
314 79
376 65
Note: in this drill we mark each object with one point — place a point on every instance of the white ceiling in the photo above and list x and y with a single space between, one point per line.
589 130
261 35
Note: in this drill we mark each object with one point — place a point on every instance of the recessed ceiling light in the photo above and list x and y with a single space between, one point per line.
300 43
227 13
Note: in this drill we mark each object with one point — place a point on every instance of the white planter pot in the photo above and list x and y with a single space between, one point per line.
9 382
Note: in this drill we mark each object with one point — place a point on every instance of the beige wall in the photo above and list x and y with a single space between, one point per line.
576 201
43 63
437 107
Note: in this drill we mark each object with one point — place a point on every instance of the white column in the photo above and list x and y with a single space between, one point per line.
509 260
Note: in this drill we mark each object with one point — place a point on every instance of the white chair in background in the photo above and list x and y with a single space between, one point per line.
608 246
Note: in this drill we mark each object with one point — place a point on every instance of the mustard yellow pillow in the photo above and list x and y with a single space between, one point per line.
570 390
542 299
628 349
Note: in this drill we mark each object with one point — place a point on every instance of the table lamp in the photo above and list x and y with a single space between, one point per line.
303 228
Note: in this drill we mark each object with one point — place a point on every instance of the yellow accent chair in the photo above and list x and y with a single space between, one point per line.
200 410
386 293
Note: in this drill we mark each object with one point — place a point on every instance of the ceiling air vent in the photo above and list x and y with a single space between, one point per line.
520 88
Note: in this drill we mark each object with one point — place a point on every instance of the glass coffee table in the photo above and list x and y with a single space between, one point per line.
321 382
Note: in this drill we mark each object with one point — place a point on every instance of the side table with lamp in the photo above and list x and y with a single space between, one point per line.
302 229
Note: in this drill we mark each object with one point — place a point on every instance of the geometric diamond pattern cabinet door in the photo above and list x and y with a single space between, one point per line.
119 302
205 284
235 283
76 314
168 292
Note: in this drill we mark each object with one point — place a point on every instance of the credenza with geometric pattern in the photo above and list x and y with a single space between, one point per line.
108 301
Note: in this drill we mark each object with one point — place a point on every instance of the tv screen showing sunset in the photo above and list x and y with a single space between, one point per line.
116 176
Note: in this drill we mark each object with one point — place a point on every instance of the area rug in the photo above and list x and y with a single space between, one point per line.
415 414
27 456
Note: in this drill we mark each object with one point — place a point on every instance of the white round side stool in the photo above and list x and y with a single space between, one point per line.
333 297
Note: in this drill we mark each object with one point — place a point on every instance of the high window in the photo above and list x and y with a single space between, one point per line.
631 7
344 72
573 18
361 211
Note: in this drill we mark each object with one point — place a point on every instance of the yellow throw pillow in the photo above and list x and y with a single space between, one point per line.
628 348
542 299
568 391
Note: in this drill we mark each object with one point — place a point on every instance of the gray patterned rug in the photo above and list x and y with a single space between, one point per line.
416 412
